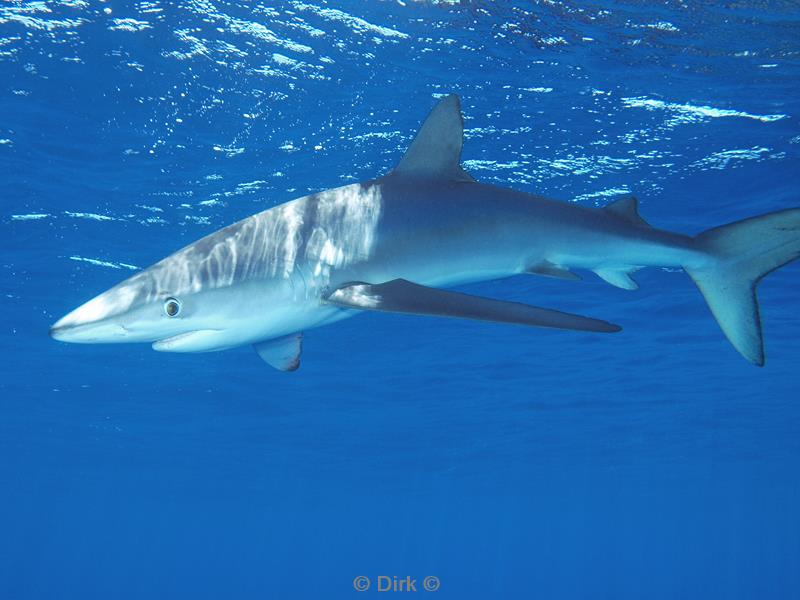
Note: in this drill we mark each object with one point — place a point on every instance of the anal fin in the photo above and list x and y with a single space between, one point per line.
620 278
282 353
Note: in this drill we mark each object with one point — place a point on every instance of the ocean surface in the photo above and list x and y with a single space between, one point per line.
506 462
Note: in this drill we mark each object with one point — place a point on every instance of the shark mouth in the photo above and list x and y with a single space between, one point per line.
199 340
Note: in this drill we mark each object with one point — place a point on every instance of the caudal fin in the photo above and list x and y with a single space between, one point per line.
741 254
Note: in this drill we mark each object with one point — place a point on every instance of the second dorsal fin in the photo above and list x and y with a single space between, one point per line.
627 208
436 150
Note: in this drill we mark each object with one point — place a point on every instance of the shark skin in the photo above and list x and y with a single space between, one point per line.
396 243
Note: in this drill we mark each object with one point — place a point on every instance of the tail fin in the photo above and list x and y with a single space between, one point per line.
742 254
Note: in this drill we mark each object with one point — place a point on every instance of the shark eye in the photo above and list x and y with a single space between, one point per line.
172 307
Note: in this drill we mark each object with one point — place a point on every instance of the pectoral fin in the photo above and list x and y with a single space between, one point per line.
401 296
282 353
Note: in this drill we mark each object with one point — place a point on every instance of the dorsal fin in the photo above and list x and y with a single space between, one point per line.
436 151
627 208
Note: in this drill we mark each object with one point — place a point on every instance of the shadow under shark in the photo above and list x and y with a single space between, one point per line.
392 243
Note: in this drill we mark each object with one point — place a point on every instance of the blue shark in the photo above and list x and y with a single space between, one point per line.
398 243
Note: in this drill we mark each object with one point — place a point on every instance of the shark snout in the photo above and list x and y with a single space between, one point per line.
91 323
87 333
59 332
100 320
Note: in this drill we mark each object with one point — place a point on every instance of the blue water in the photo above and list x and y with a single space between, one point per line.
508 462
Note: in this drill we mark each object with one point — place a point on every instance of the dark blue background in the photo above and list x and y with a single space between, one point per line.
509 462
